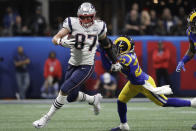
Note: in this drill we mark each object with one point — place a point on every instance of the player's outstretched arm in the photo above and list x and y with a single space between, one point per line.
105 61
107 44
189 55
58 37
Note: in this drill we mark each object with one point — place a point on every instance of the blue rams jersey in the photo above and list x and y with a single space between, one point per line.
132 69
192 37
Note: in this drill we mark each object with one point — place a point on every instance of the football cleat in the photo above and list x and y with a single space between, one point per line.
194 127
41 122
96 103
122 127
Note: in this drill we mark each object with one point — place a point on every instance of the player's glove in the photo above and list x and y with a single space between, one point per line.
66 41
180 65
116 67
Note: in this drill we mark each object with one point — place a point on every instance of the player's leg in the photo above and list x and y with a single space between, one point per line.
128 92
162 100
77 76
169 102
74 92
58 102
77 95
76 81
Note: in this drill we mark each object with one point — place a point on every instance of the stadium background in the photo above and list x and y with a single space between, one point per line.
37 46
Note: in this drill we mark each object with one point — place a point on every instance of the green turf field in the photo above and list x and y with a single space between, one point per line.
80 117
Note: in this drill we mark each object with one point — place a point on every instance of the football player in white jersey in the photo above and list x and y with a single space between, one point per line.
86 33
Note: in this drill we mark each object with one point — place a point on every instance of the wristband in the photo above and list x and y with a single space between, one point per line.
186 58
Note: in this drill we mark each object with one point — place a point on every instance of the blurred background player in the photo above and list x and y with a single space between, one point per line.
108 85
140 82
87 32
191 32
52 75
21 61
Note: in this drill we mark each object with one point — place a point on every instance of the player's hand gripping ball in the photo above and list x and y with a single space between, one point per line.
68 41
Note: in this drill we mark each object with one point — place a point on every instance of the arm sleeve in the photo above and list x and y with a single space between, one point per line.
191 46
109 48
105 61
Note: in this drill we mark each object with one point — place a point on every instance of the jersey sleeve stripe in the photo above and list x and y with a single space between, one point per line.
102 30
128 60
69 22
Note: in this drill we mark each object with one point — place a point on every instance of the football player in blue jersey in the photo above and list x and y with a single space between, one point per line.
139 82
191 32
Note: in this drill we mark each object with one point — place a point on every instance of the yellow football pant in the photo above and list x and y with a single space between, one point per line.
129 91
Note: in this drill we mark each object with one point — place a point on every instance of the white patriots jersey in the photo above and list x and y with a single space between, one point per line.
83 52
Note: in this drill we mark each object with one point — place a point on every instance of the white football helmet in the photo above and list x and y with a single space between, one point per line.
86 14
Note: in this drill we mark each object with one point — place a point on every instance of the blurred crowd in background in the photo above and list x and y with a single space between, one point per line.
130 17
135 17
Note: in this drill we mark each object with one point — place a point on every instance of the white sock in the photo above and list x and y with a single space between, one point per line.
57 104
85 97
193 102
